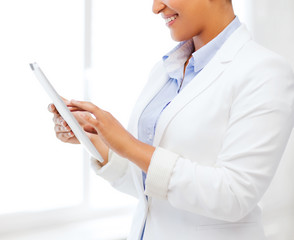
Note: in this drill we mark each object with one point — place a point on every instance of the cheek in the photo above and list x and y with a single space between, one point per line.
176 5
170 2
194 20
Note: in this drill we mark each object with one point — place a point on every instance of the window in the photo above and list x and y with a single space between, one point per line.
39 175
36 171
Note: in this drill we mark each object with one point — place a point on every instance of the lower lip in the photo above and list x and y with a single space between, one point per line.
171 22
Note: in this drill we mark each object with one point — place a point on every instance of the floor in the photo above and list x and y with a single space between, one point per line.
100 229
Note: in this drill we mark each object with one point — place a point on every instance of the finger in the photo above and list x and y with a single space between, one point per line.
86 106
90 129
62 129
92 122
52 108
58 120
65 136
64 100
75 109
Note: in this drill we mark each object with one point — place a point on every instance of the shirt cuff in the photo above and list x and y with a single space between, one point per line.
159 173
113 170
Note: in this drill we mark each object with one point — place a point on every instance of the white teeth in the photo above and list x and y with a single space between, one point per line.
170 19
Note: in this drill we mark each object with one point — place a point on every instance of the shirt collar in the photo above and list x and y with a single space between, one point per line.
175 59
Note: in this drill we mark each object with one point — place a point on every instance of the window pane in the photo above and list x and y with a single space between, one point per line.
36 170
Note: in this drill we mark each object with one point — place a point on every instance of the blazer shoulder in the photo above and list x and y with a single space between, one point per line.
257 55
258 70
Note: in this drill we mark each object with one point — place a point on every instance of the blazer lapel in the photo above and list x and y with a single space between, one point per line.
157 81
199 84
203 80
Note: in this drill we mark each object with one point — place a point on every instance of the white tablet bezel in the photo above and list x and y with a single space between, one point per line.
65 113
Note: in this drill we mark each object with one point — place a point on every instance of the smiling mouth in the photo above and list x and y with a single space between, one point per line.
168 20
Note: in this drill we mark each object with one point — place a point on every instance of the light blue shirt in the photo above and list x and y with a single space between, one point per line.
174 63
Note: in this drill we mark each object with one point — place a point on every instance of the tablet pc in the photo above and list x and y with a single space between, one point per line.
65 113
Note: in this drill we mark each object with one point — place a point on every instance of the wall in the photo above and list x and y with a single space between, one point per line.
272 24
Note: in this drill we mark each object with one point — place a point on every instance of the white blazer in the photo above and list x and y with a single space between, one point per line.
218 145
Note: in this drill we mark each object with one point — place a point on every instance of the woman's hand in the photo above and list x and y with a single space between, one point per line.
62 130
64 133
114 135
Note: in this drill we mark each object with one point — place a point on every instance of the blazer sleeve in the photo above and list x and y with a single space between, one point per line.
117 172
260 122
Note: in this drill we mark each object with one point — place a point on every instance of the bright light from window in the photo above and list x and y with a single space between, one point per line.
37 172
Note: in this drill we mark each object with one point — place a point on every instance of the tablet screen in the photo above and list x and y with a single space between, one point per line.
65 113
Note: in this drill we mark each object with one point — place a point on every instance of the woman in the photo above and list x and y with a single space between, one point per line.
207 133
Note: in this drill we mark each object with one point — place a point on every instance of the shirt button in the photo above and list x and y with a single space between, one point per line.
150 137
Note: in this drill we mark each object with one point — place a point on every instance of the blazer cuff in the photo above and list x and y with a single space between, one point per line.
113 170
159 173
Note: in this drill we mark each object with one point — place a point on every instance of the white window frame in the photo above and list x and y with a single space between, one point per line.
24 221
